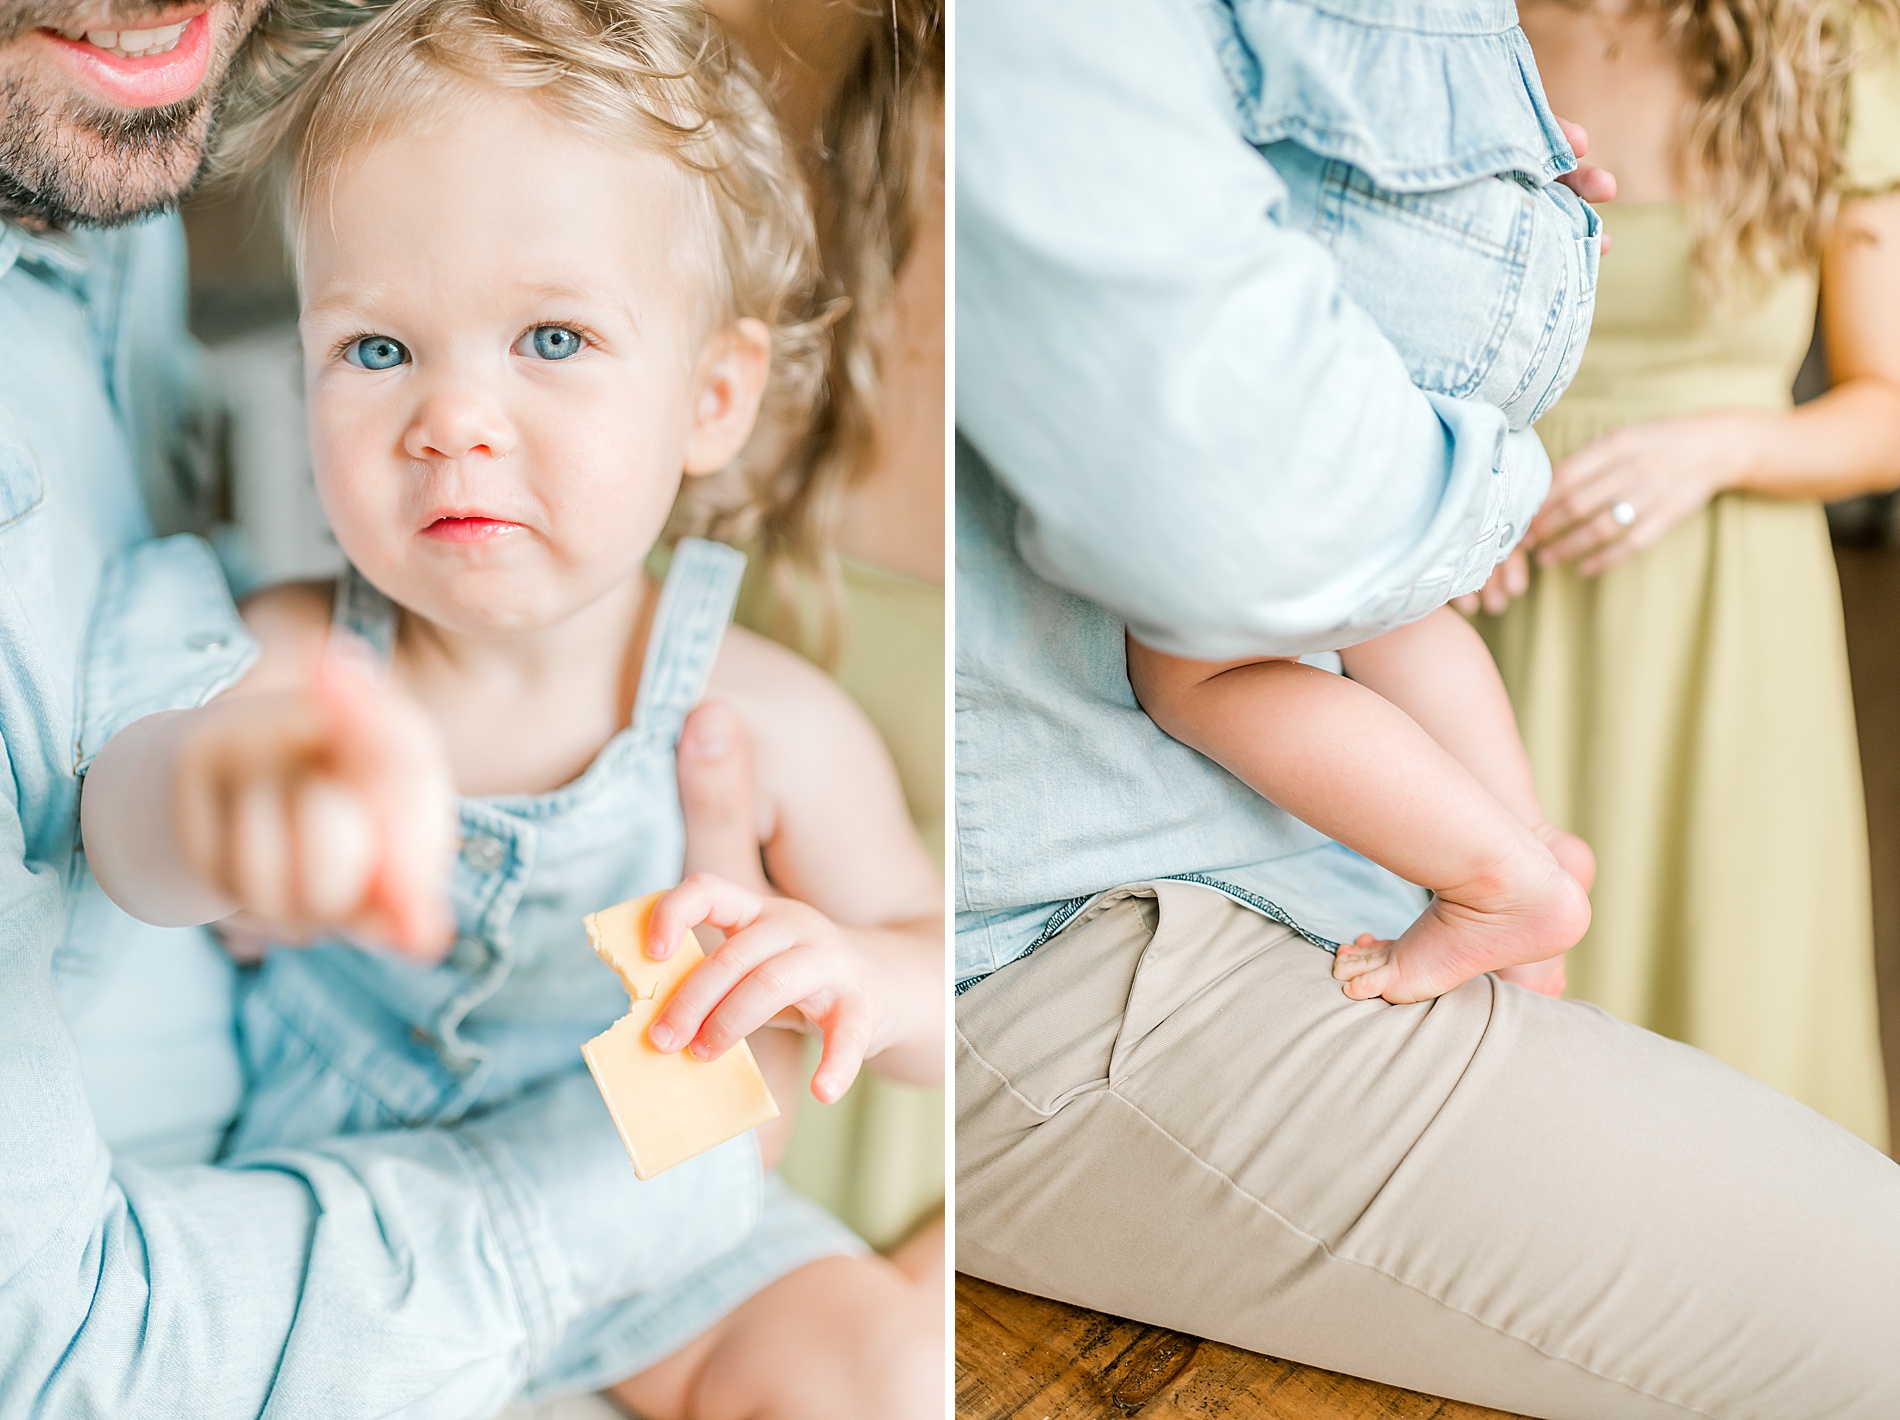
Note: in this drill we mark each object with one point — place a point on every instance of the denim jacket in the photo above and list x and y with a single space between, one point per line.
1178 414
423 1272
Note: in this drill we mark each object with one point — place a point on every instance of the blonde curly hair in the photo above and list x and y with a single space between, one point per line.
327 77
1763 136
873 169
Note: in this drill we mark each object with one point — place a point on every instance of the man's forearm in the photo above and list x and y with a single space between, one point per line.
1203 433
424 1272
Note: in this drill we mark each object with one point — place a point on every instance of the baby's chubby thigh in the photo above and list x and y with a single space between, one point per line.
1486 288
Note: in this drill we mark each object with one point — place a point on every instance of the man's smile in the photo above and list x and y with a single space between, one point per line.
149 67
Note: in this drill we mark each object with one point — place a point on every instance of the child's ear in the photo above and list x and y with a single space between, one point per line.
727 388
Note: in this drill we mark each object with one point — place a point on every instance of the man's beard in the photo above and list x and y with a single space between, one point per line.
67 169
67 161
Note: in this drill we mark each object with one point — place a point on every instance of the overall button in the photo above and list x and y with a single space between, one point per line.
205 641
471 954
483 853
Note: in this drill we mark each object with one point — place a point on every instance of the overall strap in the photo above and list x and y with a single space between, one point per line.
695 607
362 612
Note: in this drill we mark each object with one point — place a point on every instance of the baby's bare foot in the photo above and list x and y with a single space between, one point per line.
1546 978
1573 855
1526 911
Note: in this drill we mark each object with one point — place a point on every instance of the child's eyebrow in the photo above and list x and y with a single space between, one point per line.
353 297
561 291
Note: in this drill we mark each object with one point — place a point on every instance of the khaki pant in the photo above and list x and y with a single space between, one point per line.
1172 1113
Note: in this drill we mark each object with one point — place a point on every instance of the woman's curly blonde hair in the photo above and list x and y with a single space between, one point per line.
1767 120
873 170
326 77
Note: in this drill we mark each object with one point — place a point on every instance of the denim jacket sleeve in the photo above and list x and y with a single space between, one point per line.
1204 434
426 1273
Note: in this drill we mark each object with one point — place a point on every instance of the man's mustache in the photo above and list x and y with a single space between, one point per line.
17 17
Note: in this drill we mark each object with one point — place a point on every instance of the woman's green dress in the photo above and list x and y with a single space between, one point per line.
1689 712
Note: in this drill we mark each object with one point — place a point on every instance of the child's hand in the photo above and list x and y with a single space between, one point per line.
321 809
780 959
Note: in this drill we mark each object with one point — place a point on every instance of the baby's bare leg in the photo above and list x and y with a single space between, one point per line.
1350 763
1439 671
843 1338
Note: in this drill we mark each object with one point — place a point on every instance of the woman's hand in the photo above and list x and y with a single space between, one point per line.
1592 184
780 959
1619 494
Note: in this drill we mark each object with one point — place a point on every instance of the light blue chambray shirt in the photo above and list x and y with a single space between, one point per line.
423 1273
1173 415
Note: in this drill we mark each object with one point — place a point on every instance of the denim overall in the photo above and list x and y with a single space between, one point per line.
339 1040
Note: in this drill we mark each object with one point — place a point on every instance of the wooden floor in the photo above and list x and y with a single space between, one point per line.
1024 1358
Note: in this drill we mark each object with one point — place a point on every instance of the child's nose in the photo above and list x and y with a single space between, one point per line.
455 424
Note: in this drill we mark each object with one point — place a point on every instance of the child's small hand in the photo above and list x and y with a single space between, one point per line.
321 809
779 957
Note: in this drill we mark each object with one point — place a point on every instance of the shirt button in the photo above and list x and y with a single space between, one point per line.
483 853
205 641
471 954
1505 536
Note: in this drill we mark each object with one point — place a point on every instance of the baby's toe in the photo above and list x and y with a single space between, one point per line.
1355 959
1367 985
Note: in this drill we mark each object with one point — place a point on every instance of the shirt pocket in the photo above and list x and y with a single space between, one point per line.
1420 95
22 488
164 635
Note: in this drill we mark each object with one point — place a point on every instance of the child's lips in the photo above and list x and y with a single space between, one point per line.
473 528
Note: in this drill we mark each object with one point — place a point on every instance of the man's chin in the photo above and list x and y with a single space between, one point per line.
68 157
71 170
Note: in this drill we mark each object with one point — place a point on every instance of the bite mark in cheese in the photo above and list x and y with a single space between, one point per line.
667 1107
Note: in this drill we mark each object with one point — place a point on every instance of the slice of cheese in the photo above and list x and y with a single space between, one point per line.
666 1107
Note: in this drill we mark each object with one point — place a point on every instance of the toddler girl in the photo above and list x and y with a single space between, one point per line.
551 259
1482 272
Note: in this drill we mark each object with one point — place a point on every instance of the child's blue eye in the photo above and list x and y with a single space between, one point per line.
551 342
377 352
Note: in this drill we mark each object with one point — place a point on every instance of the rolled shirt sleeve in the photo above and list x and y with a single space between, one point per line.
1203 434
425 1273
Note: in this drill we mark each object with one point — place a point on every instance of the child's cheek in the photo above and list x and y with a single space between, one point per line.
360 503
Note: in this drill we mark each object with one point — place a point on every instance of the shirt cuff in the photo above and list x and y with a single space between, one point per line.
1523 484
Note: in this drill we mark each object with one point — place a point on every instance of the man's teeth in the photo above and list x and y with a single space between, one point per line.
130 44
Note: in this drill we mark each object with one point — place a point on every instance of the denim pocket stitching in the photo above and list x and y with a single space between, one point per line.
1343 184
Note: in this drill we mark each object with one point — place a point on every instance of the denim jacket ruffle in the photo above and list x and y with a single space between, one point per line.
1341 78
1417 146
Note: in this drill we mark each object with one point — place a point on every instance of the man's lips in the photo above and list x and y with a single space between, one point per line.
149 81
468 528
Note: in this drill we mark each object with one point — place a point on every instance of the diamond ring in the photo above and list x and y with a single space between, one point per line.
1622 514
